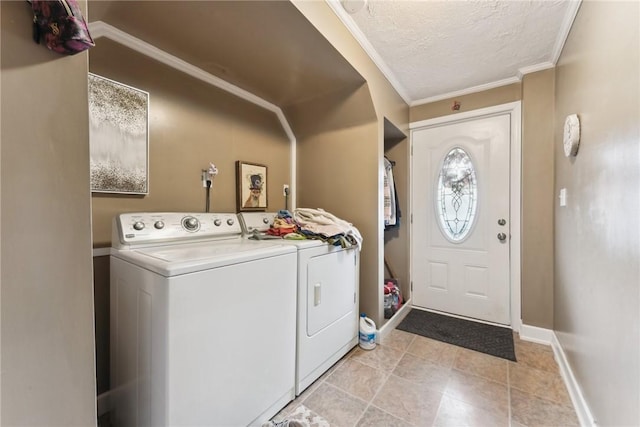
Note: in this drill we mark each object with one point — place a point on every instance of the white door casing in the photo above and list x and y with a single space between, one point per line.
470 275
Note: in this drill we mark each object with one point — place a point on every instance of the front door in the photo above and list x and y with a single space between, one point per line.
460 198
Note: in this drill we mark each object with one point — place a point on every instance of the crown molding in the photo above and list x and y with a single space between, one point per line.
355 31
565 28
474 89
534 68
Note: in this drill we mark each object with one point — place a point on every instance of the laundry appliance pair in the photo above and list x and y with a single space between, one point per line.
209 327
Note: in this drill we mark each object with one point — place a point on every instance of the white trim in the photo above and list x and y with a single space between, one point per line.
585 416
101 252
102 29
514 109
392 323
534 68
467 91
357 34
516 214
536 334
565 28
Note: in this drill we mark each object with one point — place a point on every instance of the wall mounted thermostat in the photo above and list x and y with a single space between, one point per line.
571 135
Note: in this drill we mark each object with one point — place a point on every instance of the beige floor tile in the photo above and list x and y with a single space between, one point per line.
358 379
455 413
543 384
535 355
436 383
374 417
433 351
529 410
482 365
420 371
479 392
306 392
381 357
411 402
335 405
399 340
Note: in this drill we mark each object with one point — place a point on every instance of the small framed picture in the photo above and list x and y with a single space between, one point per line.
251 183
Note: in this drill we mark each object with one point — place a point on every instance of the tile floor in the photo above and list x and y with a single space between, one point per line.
409 380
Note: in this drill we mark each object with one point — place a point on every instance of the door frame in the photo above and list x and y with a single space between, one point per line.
514 110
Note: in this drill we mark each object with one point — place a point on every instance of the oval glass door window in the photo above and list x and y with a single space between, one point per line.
456 195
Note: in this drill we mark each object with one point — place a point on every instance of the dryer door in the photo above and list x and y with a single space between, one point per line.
331 282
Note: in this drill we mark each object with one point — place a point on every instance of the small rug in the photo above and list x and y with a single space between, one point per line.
300 417
481 337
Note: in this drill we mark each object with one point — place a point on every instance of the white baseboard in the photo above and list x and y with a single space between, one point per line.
548 337
394 321
101 252
536 334
575 392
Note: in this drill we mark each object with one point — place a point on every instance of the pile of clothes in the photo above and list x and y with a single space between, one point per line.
307 223
283 225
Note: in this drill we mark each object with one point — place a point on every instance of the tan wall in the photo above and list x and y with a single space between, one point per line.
364 180
537 199
48 371
331 165
191 124
597 235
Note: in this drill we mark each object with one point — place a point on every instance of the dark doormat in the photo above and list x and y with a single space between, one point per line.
481 337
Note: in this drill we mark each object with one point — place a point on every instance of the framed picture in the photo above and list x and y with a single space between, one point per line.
251 182
118 137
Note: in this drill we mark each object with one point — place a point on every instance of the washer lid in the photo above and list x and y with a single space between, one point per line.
189 258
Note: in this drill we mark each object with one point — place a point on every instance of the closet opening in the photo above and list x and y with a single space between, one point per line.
395 287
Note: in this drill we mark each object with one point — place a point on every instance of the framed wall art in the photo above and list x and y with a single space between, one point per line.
251 182
118 137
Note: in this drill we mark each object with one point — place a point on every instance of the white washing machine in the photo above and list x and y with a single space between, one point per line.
202 322
328 290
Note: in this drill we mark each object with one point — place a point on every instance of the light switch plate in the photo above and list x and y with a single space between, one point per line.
563 197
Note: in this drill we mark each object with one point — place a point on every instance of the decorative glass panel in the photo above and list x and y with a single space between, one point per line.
457 195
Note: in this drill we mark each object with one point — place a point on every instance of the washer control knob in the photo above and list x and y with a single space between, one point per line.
265 220
230 221
190 223
159 225
138 225
217 222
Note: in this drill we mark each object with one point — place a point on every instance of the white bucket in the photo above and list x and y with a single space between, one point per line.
367 339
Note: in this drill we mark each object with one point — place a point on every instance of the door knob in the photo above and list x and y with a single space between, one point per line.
502 237
502 221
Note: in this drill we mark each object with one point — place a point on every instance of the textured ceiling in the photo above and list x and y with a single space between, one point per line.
432 49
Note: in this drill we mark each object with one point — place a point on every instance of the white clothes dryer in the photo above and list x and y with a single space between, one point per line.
328 298
202 322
